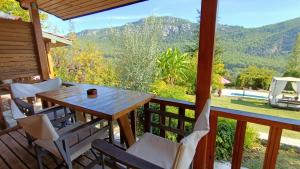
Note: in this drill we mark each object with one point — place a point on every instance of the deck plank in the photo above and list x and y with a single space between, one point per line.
48 162
3 165
19 151
10 158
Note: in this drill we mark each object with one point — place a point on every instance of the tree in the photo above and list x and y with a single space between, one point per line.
254 77
136 58
173 66
83 64
293 66
13 7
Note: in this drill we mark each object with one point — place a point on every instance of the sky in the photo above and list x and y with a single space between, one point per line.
246 13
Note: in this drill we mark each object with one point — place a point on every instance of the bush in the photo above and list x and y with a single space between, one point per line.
225 138
162 89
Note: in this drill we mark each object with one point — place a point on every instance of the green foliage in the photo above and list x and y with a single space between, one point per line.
293 66
173 66
225 138
136 58
13 7
83 64
254 77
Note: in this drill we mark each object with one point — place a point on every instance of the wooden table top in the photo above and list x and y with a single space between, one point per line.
110 103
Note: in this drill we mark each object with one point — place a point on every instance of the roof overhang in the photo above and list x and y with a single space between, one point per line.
55 40
70 9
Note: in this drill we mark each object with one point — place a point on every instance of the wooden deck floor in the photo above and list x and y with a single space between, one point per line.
16 154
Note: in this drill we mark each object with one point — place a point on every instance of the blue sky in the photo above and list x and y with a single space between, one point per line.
247 13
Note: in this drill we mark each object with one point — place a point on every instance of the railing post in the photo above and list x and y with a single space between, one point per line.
147 123
162 120
211 147
239 139
272 148
180 125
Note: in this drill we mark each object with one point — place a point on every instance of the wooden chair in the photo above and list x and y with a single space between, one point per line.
65 144
152 151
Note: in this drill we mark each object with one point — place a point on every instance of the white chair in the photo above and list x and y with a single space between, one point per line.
66 144
152 151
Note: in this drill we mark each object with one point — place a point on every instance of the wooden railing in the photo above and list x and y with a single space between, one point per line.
158 107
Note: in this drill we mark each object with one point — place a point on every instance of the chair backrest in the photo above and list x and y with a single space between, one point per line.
39 127
187 148
22 90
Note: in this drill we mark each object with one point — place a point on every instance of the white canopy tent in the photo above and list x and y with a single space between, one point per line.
278 85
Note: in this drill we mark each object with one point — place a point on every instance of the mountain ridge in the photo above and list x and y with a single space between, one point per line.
265 42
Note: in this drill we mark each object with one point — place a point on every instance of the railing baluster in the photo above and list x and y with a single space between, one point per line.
162 121
272 148
147 124
211 147
238 148
180 125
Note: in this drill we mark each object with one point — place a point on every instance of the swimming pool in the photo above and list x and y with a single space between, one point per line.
249 96
245 93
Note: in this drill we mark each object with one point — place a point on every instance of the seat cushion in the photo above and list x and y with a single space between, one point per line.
156 150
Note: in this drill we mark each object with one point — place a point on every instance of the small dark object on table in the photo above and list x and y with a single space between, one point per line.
92 93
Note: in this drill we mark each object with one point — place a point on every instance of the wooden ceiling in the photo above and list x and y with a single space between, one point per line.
69 9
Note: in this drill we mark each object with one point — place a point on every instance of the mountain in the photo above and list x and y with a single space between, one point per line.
266 46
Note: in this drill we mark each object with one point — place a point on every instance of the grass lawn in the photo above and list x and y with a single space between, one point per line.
254 158
258 106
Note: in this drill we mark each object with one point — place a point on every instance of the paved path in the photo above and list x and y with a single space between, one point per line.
284 140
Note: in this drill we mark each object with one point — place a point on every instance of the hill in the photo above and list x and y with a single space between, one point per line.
266 46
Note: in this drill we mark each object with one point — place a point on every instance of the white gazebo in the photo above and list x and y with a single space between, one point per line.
276 98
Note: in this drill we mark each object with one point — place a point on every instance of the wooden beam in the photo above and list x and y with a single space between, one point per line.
272 148
239 140
41 49
50 61
204 70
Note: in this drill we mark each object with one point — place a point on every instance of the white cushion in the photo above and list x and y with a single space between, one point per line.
16 113
22 90
156 150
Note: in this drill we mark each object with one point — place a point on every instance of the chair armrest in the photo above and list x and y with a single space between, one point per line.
24 107
50 109
122 156
76 130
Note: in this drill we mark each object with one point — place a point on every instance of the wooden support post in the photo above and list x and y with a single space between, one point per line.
211 148
272 148
204 70
41 49
239 139
49 59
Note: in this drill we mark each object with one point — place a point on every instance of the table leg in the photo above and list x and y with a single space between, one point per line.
133 122
126 130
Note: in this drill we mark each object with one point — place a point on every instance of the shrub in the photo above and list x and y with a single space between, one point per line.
225 138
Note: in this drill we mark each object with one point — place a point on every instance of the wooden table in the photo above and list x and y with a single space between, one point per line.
110 104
